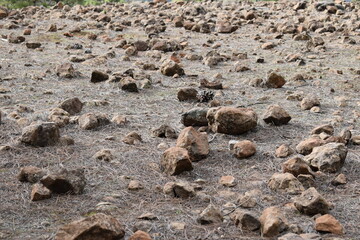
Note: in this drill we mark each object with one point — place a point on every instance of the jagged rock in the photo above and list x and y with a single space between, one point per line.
128 84
283 151
306 146
104 155
272 222
65 70
39 192
328 129
187 94
276 115
309 101
179 189
195 142
306 180
132 138
90 121
119 120
176 160
244 149
274 80
170 68
65 181
41 134
140 235
59 116
195 117
72 105
339 180
310 202
231 120
328 223
285 182
246 221
228 181
97 76
210 215
296 166
165 131
30 174
327 158
97 227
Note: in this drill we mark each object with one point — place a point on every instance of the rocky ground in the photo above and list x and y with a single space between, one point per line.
186 120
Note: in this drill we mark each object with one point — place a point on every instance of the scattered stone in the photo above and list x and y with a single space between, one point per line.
97 76
306 146
306 180
195 142
33 45
276 115
89 121
39 192
119 120
210 215
355 140
339 180
140 235
274 80
285 182
244 149
327 158
41 134
227 181
310 202
128 84
296 166
187 94
165 131
283 151
247 221
170 68
30 174
72 105
211 85
247 201
59 116
328 129
98 226
65 70
132 138
195 117
65 181
308 102
273 222
135 185
328 223
176 160
179 226
104 155
268 45
290 236
179 189
231 120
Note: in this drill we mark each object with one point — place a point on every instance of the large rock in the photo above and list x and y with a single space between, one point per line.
328 223
210 215
276 115
327 158
244 149
296 166
72 105
306 146
96 227
90 121
170 68
272 222
310 202
65 181
230 120
274 80
179 189
285 182
195 117
176 160
59 116
30 174
41 134
246 221
195 142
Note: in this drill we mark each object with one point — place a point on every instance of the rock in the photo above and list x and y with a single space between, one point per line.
187 94
285 182
97 76
177 226
65 181
310 236
119 120
244 149
3 12
33 45
327 158
283 151
276 115
132 138
12 38
345 135
306 146
179 189
141 45
195 142
231 120
65 70
227 181
140 235
72 105
39 192
66 141
328 223
165 131
41 134
135 185
247 221
309 101
328 129
195 117
247 201
210 215
339 180
176 160
296 166
268 45
30 174
52 28
310 202
128 84
97 227
226 28
355 140
306 180
272 222
89 121
290 236
170 68
274 80
104 155
211 85
59 116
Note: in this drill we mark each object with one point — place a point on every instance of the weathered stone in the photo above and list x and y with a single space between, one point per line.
276 115
339 180
328 223
327 158
268 45
210 215
310 202
195 117
119 120
170 68
231 120
104 155
306 146
39 192
132 138
65 70
247 221
96 227
283 151
41 134
306 180
274 80
140 235
59 116
33 45
65 181
285 182
72 105
90 121
309 101
135 185
176 160
272 222
244 149
30 174
179 189
187 94
296 166
227 181
290 236
195 142
328 129
165 131
97 76
128 84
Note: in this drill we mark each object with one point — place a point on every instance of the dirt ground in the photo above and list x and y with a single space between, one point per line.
28 78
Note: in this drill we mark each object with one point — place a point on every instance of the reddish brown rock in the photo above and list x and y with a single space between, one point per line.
140 235
328 223
176 160
244 149
39 192
30 174
296 166
285 182
72 105
306 146
272 222
41 134
311 202
283 151
276 115
195 142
